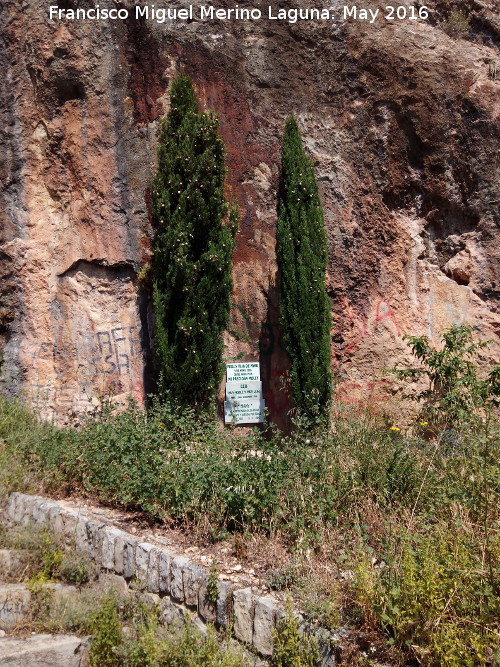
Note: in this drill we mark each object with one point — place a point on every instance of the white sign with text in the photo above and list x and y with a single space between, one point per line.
238 391
244 412
244 372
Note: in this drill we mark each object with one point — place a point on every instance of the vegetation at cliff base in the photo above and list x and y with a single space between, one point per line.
389 530
302 253
193 247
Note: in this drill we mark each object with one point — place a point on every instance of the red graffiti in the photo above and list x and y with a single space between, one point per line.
384 311
353 330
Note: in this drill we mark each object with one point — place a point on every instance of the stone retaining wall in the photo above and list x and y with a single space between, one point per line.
180 584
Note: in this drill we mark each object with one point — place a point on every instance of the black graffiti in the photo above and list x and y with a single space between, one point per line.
109 351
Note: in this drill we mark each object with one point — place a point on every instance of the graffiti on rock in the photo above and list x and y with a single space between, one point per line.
69 373
355 329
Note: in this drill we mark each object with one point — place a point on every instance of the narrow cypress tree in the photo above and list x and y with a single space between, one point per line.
193 248
302 253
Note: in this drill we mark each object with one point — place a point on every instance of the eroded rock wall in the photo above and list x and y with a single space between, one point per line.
401 120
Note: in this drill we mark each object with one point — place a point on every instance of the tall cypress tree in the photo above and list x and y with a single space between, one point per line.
302 253
193 248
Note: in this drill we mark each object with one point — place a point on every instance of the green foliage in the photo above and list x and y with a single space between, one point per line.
437 600
291 648
456 394
186 647
193 248
212 583
41 598
145 276
75 568
172 463
302 254
284 578
106 634
429 510
42 555
457 25
320 600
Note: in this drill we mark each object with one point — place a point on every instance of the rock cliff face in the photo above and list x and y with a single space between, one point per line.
402 122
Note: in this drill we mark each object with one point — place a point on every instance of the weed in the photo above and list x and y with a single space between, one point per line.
291 648
212 583
320 600
145 276
106 634
76 568
240 546
457 25
284 578
427 508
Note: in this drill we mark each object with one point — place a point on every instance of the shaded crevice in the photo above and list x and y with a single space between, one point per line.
66 90
100 269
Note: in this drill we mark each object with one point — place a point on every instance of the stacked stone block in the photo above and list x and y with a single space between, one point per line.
180 583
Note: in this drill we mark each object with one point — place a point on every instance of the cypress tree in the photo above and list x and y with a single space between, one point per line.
302 253
192 252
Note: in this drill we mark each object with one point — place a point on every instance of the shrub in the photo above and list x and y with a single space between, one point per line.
302 257
193 248
106 634
456 394
437 600
291 647
457 25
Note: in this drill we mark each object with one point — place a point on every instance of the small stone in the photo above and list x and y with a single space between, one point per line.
153 582
244 605
119 553
70 520
164 562
206 608
55 520
263 625
192 577
129 547
176 578
14 604
142 561
224 603
171 613
81 535
109 536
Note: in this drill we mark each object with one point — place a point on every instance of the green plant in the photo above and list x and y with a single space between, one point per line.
327 493
106 634
145 276
302 254
212 583
75 568
283 578
437 600
193 248
457 25
291 647
184 647
456 394
320 600
41 600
